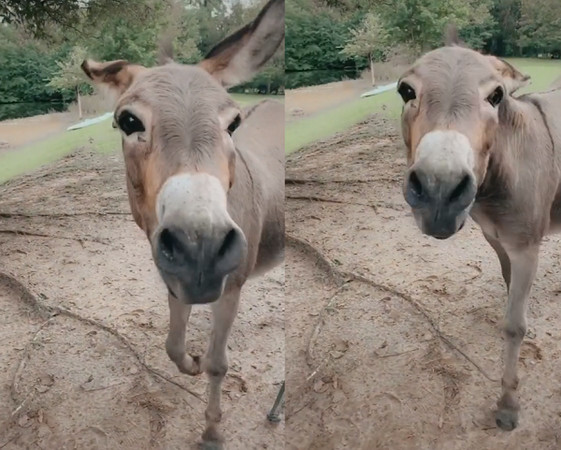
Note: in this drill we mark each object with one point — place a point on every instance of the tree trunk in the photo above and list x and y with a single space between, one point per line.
372 69
79 102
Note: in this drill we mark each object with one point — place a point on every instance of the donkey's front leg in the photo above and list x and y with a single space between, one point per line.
503 258
524 263
179 313
215 362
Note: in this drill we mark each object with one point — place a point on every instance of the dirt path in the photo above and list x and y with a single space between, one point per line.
18 132
393 338
84 320
307 101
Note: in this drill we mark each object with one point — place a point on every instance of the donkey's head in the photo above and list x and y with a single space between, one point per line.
452 101
176 123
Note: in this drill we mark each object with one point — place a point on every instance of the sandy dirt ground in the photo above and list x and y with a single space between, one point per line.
393 338
307 101
19 132
85 317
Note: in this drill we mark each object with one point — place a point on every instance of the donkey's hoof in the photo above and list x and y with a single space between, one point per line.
212 439
506 419
211 445
192 367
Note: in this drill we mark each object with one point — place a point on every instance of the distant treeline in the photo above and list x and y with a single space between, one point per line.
32 48
319 30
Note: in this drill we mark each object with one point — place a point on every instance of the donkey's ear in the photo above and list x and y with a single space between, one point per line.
238 57
115 75
452 37
512 78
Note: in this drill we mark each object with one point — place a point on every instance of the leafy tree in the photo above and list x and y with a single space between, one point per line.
315 37
479 24
24 66
369 39
41 41
540 27
422 22
42 17
70 75
504 41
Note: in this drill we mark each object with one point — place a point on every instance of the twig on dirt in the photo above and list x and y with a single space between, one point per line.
86 213
52 236
324 264
351 276
9 441
243 383
319 324
316 370
343 181
391 355
422 312
100 388
297 410
328 200
126 343
392 396
21 366
53 311
375 207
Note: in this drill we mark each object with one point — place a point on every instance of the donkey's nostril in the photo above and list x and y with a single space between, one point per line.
230 252
168 244
227 243
415 184
460 189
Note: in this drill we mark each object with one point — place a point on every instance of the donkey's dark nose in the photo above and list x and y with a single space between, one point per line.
451 194
215 255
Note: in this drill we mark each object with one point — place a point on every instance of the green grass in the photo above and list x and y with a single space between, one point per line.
101 137
328 123
543 72
249 99
323 125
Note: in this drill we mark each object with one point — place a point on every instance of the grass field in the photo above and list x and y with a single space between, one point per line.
101 137
323 125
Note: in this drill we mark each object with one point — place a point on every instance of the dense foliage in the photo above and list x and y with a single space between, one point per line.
335 34
40 40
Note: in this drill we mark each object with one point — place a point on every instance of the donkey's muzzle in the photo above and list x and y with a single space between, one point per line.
440 204
195 267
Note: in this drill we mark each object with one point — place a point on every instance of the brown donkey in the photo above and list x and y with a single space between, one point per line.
205 181
475 149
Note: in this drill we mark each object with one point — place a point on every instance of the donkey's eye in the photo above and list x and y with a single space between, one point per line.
496 97
407 92
234 125
129 123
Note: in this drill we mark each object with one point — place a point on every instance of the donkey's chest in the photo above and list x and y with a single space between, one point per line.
270 252
555 215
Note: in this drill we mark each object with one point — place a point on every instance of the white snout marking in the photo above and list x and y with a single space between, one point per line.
195 199
445 151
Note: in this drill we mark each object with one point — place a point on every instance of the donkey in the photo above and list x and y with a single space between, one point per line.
473 148
205 182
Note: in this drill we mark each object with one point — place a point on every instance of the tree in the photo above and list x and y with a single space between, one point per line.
315 36
40 16
421 23
70 75
504 41
369 39
540 27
